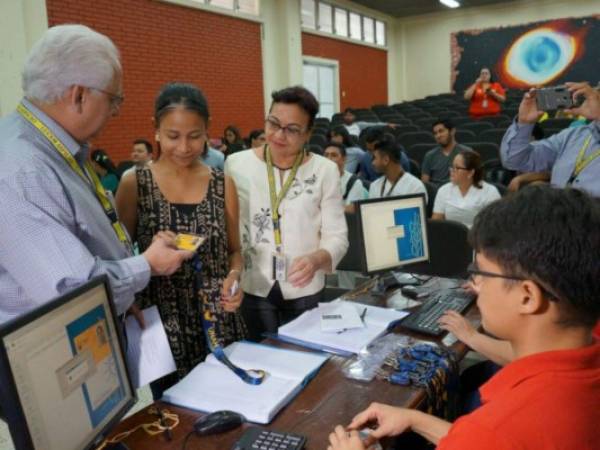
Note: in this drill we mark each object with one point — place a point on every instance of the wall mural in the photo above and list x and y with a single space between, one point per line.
536 54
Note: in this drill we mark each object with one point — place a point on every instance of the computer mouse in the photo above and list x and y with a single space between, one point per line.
217 422
406 279
409 291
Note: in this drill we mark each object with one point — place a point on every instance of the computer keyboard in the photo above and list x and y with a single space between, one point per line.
255 438
425 320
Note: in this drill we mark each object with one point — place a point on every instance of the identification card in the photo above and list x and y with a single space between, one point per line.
279 267
189 242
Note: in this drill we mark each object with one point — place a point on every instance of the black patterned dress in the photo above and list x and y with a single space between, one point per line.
179 302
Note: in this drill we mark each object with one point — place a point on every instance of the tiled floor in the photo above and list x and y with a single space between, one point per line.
144 399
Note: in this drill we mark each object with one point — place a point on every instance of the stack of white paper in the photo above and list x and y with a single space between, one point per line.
211 386
306 329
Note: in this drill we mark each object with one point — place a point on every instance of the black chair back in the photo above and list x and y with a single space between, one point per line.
416 137
494 135
487 150
449 251
353 260
431 193
417 151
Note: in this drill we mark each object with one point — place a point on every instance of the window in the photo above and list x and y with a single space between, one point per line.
248 7
325 18
341 22
328 18
379 32
369 33
227 4
355 26
308 14
242 6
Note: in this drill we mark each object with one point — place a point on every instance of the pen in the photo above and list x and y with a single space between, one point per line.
363 314
163 423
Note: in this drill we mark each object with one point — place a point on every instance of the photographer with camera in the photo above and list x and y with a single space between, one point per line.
572 156
485 95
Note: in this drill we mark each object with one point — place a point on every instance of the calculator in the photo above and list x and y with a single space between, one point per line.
255 438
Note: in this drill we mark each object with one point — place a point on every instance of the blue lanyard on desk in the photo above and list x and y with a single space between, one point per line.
209 323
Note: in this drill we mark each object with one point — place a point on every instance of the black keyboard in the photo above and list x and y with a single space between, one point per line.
255 438
425 320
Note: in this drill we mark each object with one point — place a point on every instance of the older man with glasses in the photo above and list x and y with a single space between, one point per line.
59 227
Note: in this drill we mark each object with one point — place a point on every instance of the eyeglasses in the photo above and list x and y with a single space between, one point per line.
454 168
474 272
116 100
292 131
475 276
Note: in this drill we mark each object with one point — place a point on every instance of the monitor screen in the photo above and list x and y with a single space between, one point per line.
393 231
63 372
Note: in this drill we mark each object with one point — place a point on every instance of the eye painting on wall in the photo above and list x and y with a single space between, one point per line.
535 54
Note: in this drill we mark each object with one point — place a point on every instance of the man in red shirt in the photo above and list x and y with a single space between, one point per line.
537 274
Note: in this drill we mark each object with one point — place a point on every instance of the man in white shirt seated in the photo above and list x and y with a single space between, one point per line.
351 186
395 181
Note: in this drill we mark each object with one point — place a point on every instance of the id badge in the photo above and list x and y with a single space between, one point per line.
279 267
484 104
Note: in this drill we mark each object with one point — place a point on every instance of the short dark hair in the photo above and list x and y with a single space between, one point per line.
447 122
342 131
374 134
492 79
348 110
389 148
473 162
145 143
551 236
254 134
100 157
175 94
340 147
298 95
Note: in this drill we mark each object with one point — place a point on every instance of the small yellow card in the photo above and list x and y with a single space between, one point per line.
189 242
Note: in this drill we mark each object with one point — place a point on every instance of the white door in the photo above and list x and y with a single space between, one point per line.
321 78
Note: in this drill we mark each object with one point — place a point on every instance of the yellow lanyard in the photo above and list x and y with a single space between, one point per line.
97 185
276 199
582 162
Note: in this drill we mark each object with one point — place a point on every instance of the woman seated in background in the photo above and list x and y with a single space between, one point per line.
180 194
106 170
467 193
232 140
485 95
339 135
256 138
291 215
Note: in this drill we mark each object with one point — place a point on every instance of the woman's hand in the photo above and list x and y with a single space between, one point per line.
303 270
340 439
136 312
457 325
229 302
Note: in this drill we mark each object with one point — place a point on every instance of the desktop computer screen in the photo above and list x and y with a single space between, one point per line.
394 231
63 377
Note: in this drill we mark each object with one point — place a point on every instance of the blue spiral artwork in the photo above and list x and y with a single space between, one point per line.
539 56
529 55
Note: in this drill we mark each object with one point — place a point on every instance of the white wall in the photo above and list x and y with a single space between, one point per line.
426 39
22 22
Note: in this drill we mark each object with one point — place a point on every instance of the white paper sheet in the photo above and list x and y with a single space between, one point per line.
148 353
337 316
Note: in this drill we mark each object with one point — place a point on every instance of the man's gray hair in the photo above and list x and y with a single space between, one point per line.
65 56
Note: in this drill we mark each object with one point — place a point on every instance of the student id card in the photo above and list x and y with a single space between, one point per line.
189 242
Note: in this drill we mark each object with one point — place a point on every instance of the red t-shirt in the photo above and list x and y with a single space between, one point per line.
550 400
483 104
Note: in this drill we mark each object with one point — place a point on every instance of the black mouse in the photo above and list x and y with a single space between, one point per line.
217 422
409 291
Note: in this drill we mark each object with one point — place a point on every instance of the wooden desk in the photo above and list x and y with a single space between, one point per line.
329 399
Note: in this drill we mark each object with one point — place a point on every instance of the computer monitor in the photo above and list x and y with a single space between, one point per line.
63 378
393 231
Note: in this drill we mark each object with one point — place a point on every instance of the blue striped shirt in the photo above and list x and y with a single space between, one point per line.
54 233
556 154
